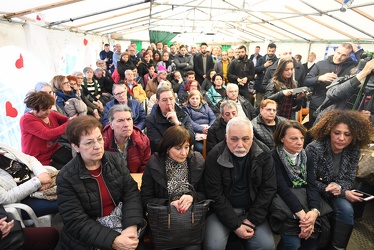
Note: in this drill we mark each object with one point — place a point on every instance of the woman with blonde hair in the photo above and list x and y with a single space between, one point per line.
202 117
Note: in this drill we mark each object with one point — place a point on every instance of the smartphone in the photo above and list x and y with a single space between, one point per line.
366 196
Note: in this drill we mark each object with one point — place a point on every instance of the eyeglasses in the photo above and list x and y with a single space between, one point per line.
120 93
232 91
73 83
79 77
91 143
65 83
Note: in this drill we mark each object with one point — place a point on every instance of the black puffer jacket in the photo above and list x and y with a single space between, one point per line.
154 182
80 203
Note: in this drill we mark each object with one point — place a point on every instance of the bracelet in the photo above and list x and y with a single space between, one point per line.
316 210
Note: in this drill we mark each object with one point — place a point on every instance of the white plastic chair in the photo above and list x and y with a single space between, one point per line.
15 210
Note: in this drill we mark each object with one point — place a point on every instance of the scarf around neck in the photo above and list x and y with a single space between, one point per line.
296 170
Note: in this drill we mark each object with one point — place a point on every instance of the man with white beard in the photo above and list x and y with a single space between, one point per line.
240 179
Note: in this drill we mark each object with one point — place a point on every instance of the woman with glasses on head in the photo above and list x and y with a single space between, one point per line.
40 128
266 122
90 187
61 87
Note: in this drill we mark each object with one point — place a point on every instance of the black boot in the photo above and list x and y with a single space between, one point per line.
340 235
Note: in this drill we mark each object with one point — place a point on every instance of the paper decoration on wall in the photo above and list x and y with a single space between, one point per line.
85 42
19 62
10 110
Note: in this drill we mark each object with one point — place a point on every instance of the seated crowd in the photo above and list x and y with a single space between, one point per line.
159 112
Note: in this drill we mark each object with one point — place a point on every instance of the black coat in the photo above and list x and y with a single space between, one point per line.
219 179
216 133
157 124
154 181
79 202
198 66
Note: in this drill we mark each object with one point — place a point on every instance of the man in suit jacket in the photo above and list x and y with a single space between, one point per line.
202 63
309 65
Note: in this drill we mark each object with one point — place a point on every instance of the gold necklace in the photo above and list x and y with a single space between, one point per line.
95 176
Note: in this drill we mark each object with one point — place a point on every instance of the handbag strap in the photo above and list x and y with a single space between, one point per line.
190 187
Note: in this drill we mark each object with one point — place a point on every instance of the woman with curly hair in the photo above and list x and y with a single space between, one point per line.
334 154
281 86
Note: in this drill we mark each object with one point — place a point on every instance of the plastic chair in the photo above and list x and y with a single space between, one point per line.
301 114
15 210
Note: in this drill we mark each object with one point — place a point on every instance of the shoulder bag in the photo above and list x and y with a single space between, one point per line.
365 168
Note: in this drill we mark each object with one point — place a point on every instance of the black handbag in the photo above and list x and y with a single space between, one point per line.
171 229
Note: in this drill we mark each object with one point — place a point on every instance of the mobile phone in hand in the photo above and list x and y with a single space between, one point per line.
365 197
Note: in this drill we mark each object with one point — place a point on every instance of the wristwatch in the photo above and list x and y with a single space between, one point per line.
315 210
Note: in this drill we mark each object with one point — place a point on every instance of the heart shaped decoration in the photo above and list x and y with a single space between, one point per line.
85 42
10 111
19 62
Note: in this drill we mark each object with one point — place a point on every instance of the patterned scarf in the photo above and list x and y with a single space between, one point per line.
296 170
176 173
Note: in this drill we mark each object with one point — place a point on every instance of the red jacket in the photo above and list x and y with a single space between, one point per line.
138 151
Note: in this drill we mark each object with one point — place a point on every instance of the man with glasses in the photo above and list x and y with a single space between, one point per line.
245 108
266 122
325 71
134 57
166 114
120 97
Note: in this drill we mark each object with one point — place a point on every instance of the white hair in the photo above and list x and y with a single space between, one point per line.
240 122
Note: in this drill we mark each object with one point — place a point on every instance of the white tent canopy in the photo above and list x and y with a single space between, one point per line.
220 21
42 38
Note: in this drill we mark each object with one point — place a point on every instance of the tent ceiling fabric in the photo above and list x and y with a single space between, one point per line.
204 20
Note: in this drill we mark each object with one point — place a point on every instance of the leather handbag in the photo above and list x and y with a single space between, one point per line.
170 229
365 168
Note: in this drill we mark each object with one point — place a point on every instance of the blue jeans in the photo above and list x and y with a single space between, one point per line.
217 235
293 242
343 210
41 207
198 146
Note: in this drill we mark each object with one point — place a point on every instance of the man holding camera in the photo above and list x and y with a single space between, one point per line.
325 71
262 64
